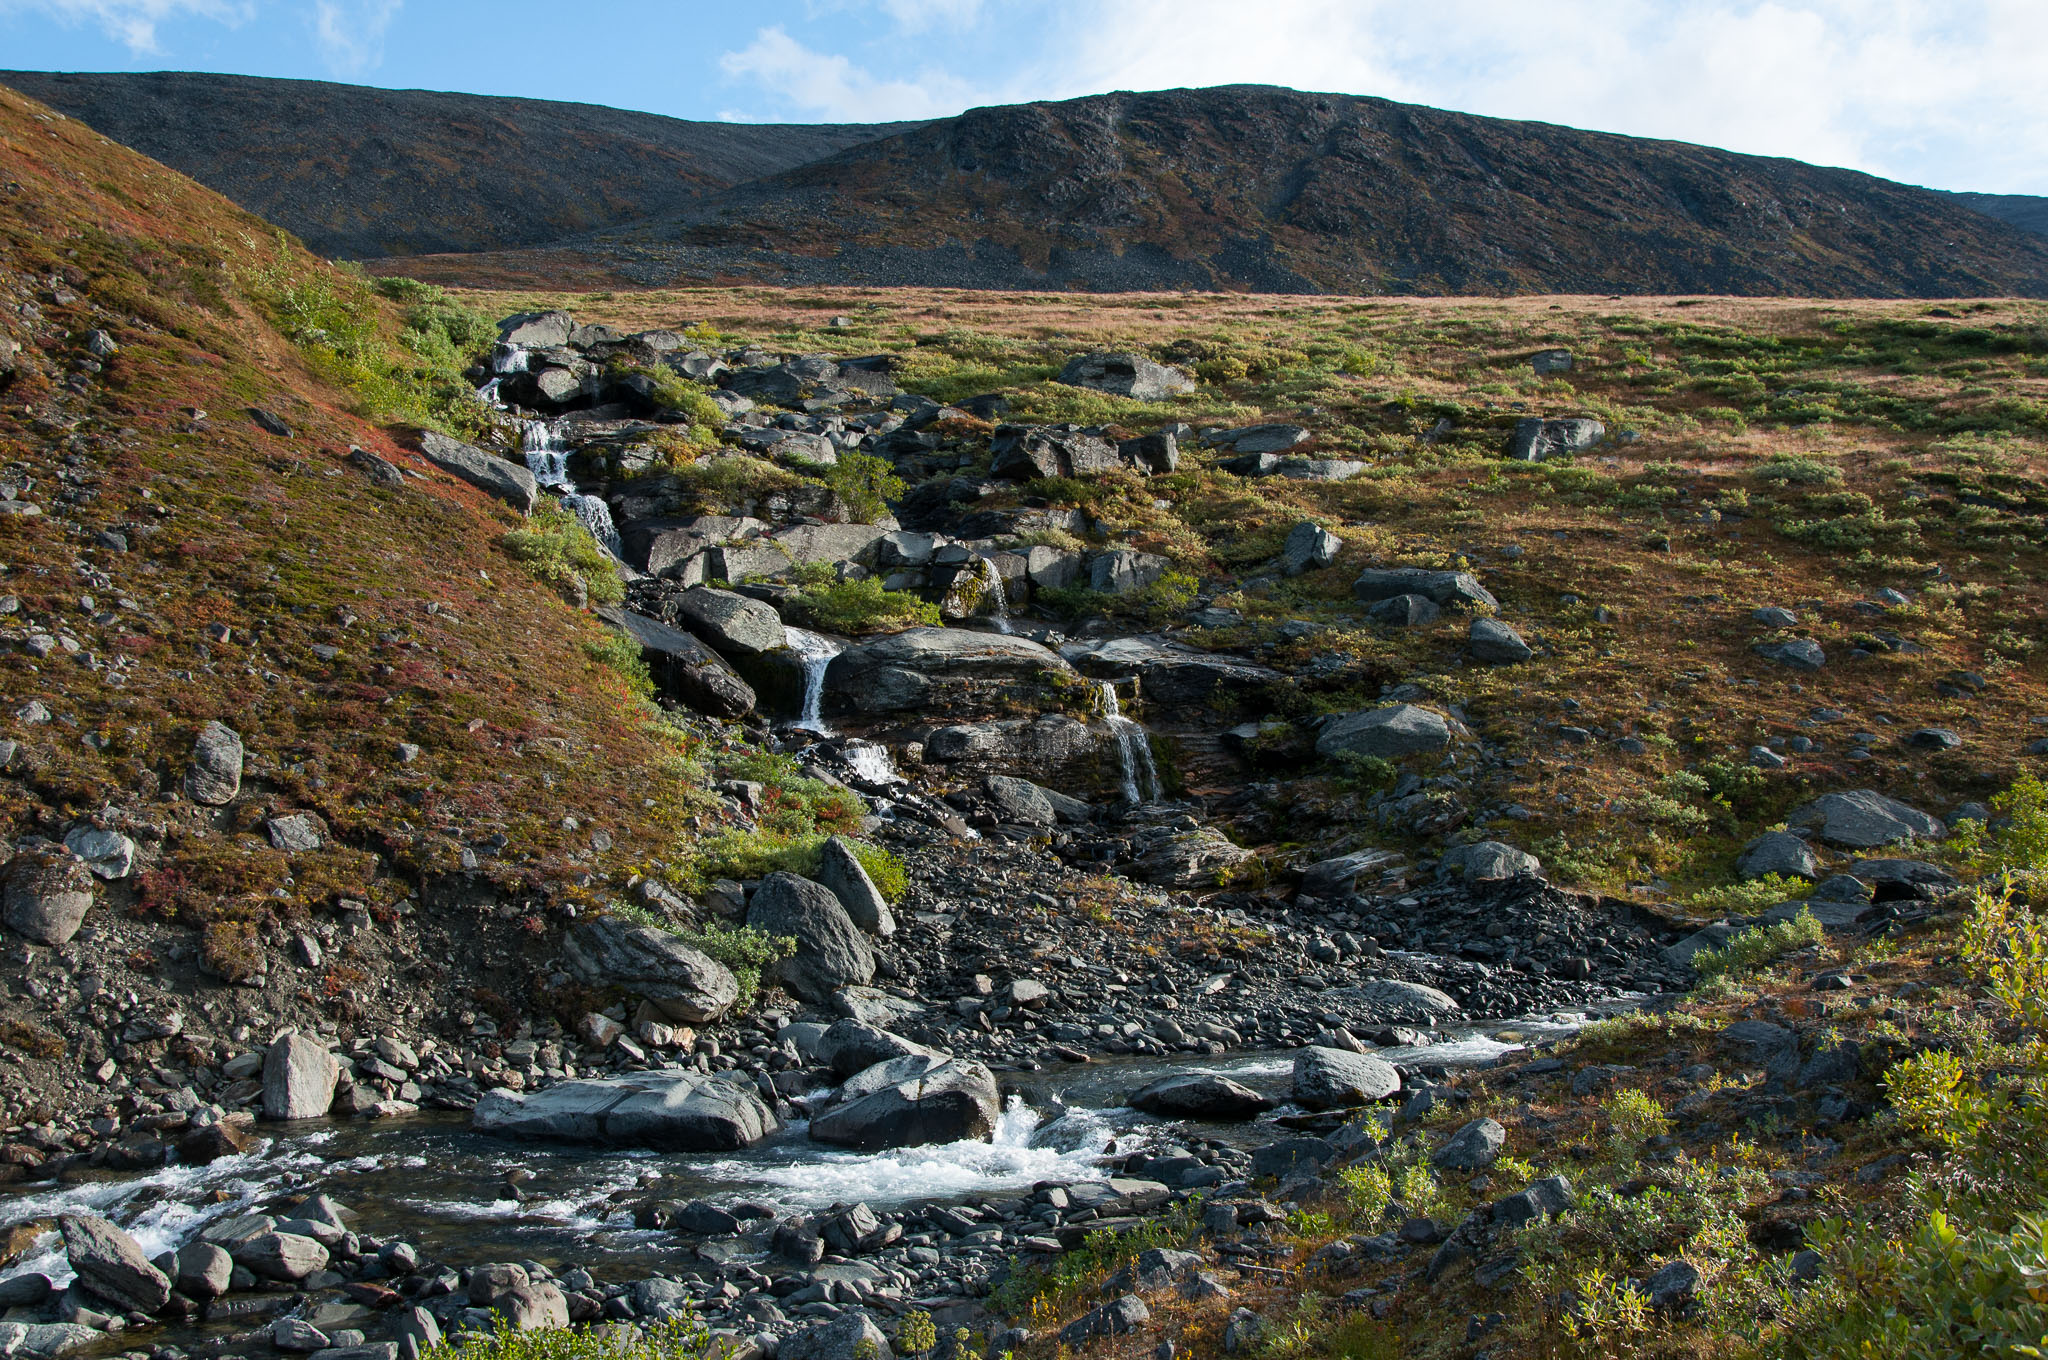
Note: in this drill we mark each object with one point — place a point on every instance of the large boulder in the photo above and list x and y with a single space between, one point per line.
1390 733
1536 439
1333 1078
830 953
1189 859
49 891
1199 1095
1865 818
841 872
298 1078
1780 853
852 1335
684 984
1388 999
536 330
1170 672
852 1046
1126 375
1119 571
663 546
1309 546
669 1111
1027 452
1496 644
111 1265
1338 877
281 1256
1020 801
1473 1147
934 671
734 625
1277 438
948 1102
1486 861
684 668
509 482
214 776
1449 589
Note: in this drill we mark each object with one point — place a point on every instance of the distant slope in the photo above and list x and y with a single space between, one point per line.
1276 190
2027 211
358 172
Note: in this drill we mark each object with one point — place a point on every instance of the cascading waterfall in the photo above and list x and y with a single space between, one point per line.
1134 751
508 359
596 517
998 593
816 651
545 458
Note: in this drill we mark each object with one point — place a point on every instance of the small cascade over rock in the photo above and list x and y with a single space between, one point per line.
596 517
816 651
546 459
1134 750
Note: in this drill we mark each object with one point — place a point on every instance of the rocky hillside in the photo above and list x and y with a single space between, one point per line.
357 173
2027 211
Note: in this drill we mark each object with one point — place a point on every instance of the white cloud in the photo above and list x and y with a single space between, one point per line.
831 86
134 22
916 14
352 34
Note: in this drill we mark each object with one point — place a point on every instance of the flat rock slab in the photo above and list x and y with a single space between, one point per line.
666 1111
509 482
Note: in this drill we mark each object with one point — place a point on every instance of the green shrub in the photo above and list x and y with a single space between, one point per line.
1368 1190
1786 469
1163 600
1746 899
554 547
622 654
916 1334
863 606
865 484
742 949
1753 950
2019 843
667 1339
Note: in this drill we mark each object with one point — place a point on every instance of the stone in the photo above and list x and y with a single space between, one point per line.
299 1076
111 1265
1474 1147
1496 644
202 1270
684 668
1285 1157
1171 672
1333 1078
1390 999
1338 877
852 1335
416 1331
1447 589
1027 452
1270 438
830 953
536 330
852 1046
1673 1286
1115 1318
109 854
1389 733
669 1111
935 671
1759 1042
1155 1268
1895 880
1309 547
1865 818
1019 801
1121 570
1190 859
382 472
539 1306
734 625
1550 1196
47 1341
1486 862
215 775
509 482
842 874
1801 654
1933 739
1126 375
1545 362
1157 453
1405 611
686 985
295 833
956 1100
1199 1095
48 893
1777 852
1772 616
1536 439
287 1257
298 1335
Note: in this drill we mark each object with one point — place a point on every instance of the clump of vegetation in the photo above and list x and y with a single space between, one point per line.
1164 599
556 548
863 606
648 1340
1747 898
865 484
1755 949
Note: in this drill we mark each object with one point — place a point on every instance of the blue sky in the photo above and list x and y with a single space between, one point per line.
1946 93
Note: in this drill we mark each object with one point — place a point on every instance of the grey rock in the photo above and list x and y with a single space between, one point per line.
1390 999
1545 362
1338 877
1115 1318
1777 852
381 471
109 854
850 1336
850 1047
1680 955
1550 1196
1758 1041
1865 818
734 625
1171 672
669 1111
536 1307
937 670
536 330
684 668
48 893
287 1257
1772 616
840 871
1019 801
1474 1147
1933 739
1126 375
295 833
1120 570
1199 1095
1333 1078
203 1270
1405 611
111 1265
1673 1286
684 984
1308 547
1025 452
1894 879
48 1341
299 1076
1272 438
1390 733
32 1290
298 1335
1801 654
1448 589
509 482
1496 644
1487 861
1536 439
954 1101
830 953
1190 859
215 775
1318 469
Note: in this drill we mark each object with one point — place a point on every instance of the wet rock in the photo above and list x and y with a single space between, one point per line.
48 893
287 1257
1389 733
1126 375
733 624
830 953
1170 672
841 873
1865 818
670 1111
684 668
507 481
215 775
1536 439
1487 861
210 1142
951 1102
1308 547
1474 1147
1117 1318
299 1075
1332 1078
202 1271
297 1335
1496 644
1446 589
47 1341
1199 1095
111 1265
684 984
1777 852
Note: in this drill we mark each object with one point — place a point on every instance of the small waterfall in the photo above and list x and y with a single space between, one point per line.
545 458
596 517
508 359
1134 751
999 615
816 651
870 763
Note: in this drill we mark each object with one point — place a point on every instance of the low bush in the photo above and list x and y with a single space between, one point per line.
862 607
1752 951
554 547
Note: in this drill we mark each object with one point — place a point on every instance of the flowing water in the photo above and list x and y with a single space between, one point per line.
816 651
546 459
1134 750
